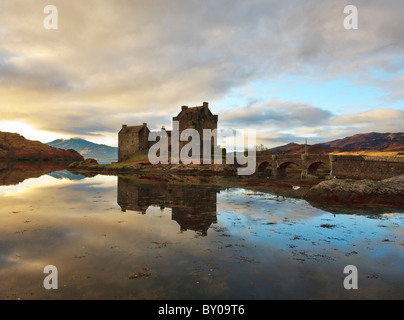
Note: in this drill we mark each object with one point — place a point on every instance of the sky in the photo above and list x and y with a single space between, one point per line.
289 69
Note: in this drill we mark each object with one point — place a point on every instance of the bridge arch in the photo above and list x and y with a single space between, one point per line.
315 165
264 168
319 168
264 165
294 169
284 165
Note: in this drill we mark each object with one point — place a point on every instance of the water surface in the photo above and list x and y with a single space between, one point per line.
126 238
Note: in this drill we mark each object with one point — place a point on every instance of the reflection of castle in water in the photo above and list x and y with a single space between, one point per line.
193 207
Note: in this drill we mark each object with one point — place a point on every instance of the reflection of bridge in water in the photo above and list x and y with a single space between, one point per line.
192 207
340 166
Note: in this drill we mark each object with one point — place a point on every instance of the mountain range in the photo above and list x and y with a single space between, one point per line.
364 142
86 148
15 146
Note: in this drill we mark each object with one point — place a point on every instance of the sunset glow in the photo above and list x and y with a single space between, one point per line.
29 132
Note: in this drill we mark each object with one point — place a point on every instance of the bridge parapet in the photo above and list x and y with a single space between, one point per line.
367 167
341 166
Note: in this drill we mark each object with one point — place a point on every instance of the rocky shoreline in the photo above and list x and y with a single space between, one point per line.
92 165
359 193
214 175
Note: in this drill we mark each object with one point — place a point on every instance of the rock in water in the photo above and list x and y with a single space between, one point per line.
357 192
396 179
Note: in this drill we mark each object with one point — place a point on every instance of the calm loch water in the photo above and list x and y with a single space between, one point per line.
126 238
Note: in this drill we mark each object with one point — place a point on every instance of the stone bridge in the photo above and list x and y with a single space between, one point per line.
337 166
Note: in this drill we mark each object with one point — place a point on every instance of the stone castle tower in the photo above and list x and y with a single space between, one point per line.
134 139
197 118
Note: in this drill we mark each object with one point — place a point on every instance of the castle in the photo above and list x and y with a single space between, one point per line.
134 139
192 207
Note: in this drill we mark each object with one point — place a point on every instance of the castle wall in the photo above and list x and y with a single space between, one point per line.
128 144
143 142
132 140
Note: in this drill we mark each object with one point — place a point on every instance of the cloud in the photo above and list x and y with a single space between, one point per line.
279 114
109 59
278 122
396 86
370 117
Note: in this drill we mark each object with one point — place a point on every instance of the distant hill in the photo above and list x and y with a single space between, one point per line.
375 142
86 148
289 145
370 141
290 148
16 147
